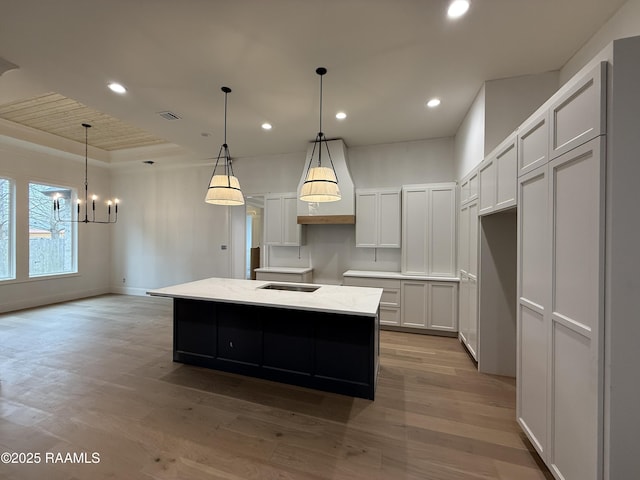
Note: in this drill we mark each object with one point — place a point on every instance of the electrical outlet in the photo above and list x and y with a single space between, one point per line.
124 280
223 247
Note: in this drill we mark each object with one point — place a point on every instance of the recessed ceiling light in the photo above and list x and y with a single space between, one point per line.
434 102
117 88
267 126
457 8
341 115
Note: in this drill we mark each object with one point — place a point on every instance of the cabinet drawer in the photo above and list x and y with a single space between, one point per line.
389 316
390 297
579 115
391 288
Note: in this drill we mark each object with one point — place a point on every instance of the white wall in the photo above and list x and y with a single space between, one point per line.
393 164
622 421
624 23
510 101
166 233
25 162
469 139
498 109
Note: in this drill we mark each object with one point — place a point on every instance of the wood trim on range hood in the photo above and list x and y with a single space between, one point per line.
326 219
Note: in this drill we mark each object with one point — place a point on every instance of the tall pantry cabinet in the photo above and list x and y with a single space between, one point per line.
468 263
560 314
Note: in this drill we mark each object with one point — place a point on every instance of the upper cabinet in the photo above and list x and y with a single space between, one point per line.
280 220
429 230
378 218
497 178
579 114
533 143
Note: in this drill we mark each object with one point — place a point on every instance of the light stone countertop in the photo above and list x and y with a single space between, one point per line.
338 299
298 270
396 276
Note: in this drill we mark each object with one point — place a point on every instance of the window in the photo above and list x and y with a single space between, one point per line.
7 262
52 243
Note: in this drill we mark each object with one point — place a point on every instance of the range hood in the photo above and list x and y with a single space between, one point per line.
344 210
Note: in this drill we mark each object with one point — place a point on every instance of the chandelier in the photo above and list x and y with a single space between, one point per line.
86 219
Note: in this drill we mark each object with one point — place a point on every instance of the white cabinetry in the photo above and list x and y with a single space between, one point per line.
579 114
378 218
429 230
431 305
468 246
561 278
281 220
412 302
390 300
498 178
506 158
533 143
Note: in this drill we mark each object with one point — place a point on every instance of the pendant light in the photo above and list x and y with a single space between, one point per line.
86 219
224 188
321 183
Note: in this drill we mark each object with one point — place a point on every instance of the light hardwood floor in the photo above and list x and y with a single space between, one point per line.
96 375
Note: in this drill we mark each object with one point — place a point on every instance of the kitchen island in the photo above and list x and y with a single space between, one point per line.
318 336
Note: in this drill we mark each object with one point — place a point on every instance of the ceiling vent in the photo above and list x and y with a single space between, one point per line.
169 116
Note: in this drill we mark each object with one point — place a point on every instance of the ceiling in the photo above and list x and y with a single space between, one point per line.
385 59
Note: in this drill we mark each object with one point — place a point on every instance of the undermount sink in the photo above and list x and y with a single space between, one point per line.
289 288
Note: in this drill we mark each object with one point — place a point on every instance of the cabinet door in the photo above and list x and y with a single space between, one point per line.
388 219
473 240
415 234
533 310
473 185
576 193
414 304
533 143
579 115
472 336
464 309
273 220
291 229
487 179
506 175
442 231
366 219
472 275
443 306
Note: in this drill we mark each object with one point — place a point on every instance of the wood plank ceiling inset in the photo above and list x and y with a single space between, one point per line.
56 114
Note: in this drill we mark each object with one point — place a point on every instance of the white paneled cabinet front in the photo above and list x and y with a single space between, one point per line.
579 114
429 230
561 310
468 302
281 220
488 186
576 184
498 178
506 159
378 218
430 305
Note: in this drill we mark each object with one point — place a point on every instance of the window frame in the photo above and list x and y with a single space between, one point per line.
11 243
72 227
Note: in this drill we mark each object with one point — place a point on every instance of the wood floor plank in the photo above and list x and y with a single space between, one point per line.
96 375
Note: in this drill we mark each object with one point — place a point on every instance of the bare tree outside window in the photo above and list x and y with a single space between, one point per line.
51 243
